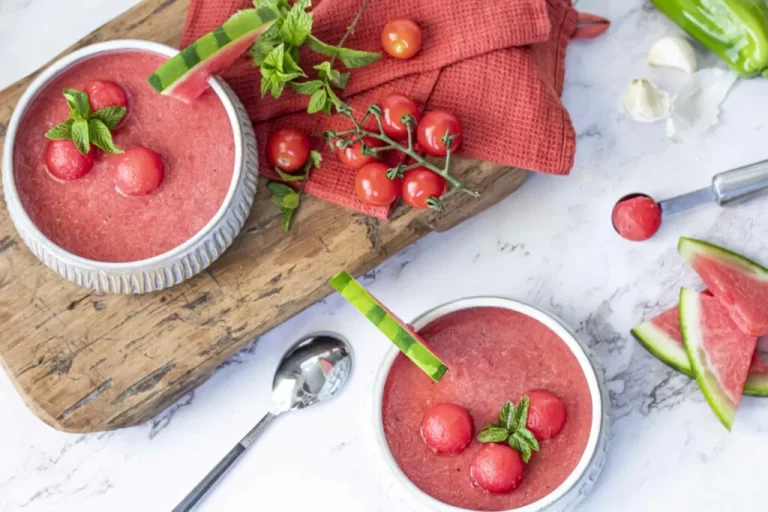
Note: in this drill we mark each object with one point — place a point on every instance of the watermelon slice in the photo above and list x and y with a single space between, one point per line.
741 285
185 76
720 353
661 336
393 328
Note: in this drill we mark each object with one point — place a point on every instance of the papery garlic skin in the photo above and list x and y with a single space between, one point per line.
673 52
644 102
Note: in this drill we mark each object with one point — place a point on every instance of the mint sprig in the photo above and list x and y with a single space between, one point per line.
286 197
511 429
86 127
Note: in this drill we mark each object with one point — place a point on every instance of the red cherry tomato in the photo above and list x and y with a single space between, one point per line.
401 38
447 428
497 468
393 108
546 415
65 162
433 127
103 93
138 171
352 156
288 149
374 188
420 184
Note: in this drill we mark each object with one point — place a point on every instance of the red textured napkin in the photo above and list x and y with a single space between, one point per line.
497 65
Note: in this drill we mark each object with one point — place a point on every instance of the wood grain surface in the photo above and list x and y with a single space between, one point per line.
86 362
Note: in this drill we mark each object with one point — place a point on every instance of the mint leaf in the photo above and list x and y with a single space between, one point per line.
276 86
287 77
110 116
287 214
79 106
332 96
264 45
289 177
520 416
61 131
493 434
80 136
290 201
350 58
525 450
318 101
309 87
101 137
290 64
336 77
266 80
275 58
297 24
505 416
527 436
279 190
316 157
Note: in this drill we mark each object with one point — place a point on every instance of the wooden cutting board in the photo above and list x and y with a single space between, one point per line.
86 362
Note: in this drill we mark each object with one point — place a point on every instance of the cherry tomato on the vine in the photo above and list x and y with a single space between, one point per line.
394 107
420 184
433 127
401 38
352 155
373 187
288 149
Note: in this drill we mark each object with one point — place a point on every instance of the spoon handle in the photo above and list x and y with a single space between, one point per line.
741 183
189 502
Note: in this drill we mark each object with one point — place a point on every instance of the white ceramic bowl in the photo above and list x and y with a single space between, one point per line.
580 482
176 265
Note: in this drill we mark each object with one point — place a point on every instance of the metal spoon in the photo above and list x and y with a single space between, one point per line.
311 371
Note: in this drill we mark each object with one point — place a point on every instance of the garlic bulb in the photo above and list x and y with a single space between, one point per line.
644 102
673 52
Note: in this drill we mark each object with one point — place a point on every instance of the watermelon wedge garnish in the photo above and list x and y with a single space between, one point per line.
398 332
719 352
740 284
757 380
185 76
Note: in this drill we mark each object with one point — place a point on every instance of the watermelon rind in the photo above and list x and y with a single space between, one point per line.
689 247
756 385
665 349
245 24
394 329
690 322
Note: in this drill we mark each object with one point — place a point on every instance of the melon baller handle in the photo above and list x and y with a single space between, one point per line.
740 184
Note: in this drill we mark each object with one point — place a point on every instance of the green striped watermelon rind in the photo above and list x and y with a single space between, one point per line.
690 316
241 25
666 350
395 330
689 247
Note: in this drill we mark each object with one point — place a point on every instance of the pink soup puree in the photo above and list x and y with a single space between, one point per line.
494 355
88 217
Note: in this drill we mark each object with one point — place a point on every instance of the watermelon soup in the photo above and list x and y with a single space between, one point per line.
494 355
87 216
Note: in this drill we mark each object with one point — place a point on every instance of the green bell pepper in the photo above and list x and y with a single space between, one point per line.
736 30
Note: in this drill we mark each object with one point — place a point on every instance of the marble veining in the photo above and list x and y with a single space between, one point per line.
550 244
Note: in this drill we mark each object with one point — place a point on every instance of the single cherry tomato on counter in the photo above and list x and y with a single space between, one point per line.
420 184
374 188
497 468
352 155
447 428
66 162
138 171
103 93
433 127
288 149
636 218
401 38
393 108
547 414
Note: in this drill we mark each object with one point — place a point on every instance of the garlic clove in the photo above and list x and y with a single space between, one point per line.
644 102
673 52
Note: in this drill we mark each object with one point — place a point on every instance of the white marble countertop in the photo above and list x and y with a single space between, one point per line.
550 244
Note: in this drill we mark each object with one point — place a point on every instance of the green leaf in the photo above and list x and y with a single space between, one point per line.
332 96
290 201
297 24
318 101
287 77
79 106
516 442
350 58
309 87
265 44
61 131
101 137
520 416
290 64
287 217
289 177
530 439
334 76
316 157
110 116
276 86
505 415
493 434
276 58
279 190
80 136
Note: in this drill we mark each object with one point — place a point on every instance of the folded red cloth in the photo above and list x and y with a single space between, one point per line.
498 66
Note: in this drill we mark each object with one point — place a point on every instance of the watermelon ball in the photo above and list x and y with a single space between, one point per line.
546 415
636 217
66 162
103 93
497 468
447 428
138 171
